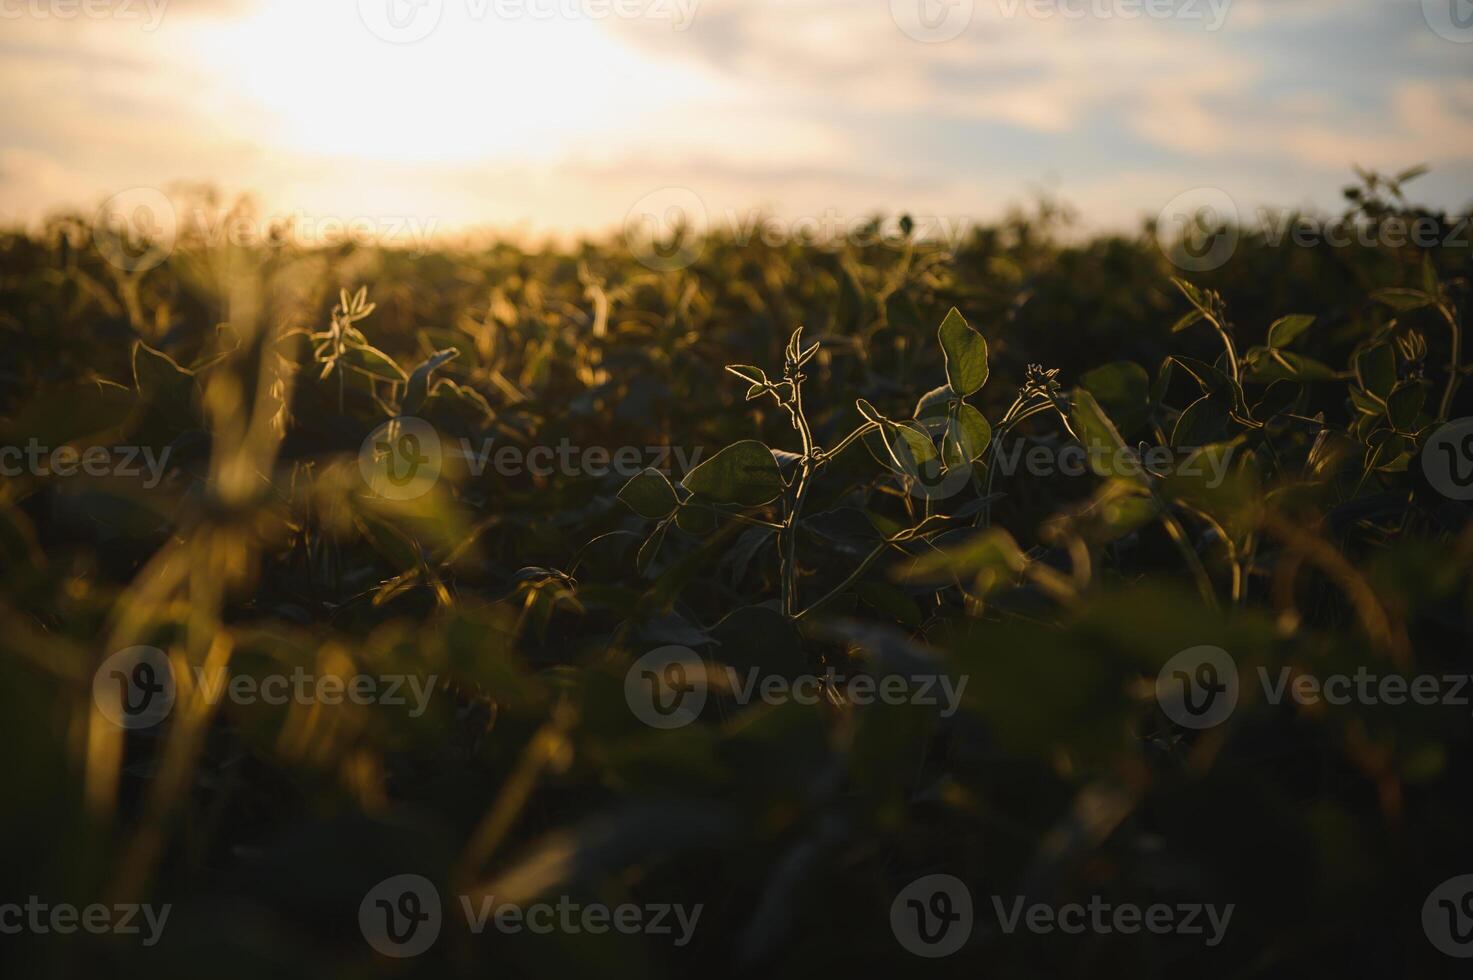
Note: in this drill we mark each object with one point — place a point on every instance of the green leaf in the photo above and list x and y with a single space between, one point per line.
1205 421
1280 396
1095 430
992 559
1375 368
450 401
1404 404
748 372
1186 320
649 494
1283 330
419 380
869 412
1162 383
651 547
743 473
910 446
1411 173
966 354
368 359
967 437
1431 285
934 401
696 520
1387 451
1215 381
1123 390
1402 300
1193 295
1271 364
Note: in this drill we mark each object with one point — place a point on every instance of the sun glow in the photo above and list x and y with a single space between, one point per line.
477 89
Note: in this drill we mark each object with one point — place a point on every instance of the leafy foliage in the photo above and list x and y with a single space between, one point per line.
853 502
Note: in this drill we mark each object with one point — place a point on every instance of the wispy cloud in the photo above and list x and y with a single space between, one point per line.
794 104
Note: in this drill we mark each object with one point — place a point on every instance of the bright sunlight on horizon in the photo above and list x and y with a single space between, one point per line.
559 116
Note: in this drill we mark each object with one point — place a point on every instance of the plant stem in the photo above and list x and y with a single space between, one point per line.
849 579
1454 367
806 467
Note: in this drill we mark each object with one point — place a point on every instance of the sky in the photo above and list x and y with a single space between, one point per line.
570 116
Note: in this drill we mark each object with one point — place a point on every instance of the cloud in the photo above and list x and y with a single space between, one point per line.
801 104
